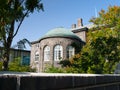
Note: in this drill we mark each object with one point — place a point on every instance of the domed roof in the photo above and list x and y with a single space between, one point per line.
60 32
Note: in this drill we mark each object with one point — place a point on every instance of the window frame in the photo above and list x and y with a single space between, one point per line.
58 52
37 56
70 51
46 52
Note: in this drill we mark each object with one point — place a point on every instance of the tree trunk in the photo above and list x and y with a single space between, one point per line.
7 47
6 58
5 62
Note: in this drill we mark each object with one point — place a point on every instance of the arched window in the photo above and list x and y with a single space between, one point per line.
36 56
47 53
70 51
58 52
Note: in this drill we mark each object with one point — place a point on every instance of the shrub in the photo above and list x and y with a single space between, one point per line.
1 63
16 65
54 70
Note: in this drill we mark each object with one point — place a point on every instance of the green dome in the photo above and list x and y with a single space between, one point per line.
60 32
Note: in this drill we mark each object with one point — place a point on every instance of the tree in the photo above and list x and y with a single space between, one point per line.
108 20
103 53
13 13
100 54
106 37
102 50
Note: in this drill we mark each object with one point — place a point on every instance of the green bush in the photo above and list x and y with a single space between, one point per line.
54 70
16 65
1 63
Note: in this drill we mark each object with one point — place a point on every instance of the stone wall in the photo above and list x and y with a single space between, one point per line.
42 81
51 42
81 32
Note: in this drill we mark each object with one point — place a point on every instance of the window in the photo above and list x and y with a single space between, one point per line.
70 51
36 56
58 52
47 53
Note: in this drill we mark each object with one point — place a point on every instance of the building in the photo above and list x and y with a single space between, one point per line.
58 44
24 55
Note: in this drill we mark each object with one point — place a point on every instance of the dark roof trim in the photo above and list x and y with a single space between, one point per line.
55 37
79 29
1 48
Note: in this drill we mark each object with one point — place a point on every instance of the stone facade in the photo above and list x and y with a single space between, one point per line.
59 36
81 33
52 42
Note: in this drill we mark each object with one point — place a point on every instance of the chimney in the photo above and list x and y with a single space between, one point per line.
80 22
73 26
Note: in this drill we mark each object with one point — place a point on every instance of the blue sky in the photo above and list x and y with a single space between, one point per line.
60 13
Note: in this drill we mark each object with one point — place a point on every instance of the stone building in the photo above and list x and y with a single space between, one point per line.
58 44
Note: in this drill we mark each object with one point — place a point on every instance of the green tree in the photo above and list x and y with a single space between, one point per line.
12 14
102 50
105 38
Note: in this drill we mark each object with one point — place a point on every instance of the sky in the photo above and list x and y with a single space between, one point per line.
60 13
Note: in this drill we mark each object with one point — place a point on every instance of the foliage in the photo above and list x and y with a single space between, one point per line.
54 70
65 63
98 56
16 65
102 50
77 47
109 19
104 41
12 14
1 63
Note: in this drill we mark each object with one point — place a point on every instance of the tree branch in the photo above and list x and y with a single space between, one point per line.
20 23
